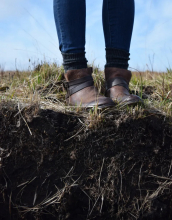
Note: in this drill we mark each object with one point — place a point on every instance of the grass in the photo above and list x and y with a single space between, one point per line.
43 86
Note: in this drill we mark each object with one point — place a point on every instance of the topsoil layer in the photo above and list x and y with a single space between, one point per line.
119 170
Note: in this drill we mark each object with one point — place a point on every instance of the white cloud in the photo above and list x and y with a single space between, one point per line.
30 35
10 8
32 32
152 33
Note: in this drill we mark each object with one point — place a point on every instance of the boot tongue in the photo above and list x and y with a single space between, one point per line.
77 73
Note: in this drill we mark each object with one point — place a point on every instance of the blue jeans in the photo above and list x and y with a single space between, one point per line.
70 19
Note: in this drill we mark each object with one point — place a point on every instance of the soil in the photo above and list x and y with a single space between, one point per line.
120 169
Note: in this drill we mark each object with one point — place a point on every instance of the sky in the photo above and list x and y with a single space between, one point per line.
28 32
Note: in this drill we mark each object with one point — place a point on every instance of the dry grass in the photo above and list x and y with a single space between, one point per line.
43 86
160 84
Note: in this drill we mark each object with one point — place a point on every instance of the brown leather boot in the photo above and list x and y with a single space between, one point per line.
81 91
117 86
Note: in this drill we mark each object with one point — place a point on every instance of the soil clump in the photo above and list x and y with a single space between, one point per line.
54 167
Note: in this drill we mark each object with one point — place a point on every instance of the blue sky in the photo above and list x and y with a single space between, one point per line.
27 31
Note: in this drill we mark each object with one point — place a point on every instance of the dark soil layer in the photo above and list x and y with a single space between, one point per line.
120 170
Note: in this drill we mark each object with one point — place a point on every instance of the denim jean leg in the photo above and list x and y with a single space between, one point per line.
118 19
70 20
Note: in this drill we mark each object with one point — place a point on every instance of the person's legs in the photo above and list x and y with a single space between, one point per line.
118 19
70 19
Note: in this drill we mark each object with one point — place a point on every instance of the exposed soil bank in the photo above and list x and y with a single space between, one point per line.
121 170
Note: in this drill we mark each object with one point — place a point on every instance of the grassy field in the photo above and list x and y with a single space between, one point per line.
43 86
